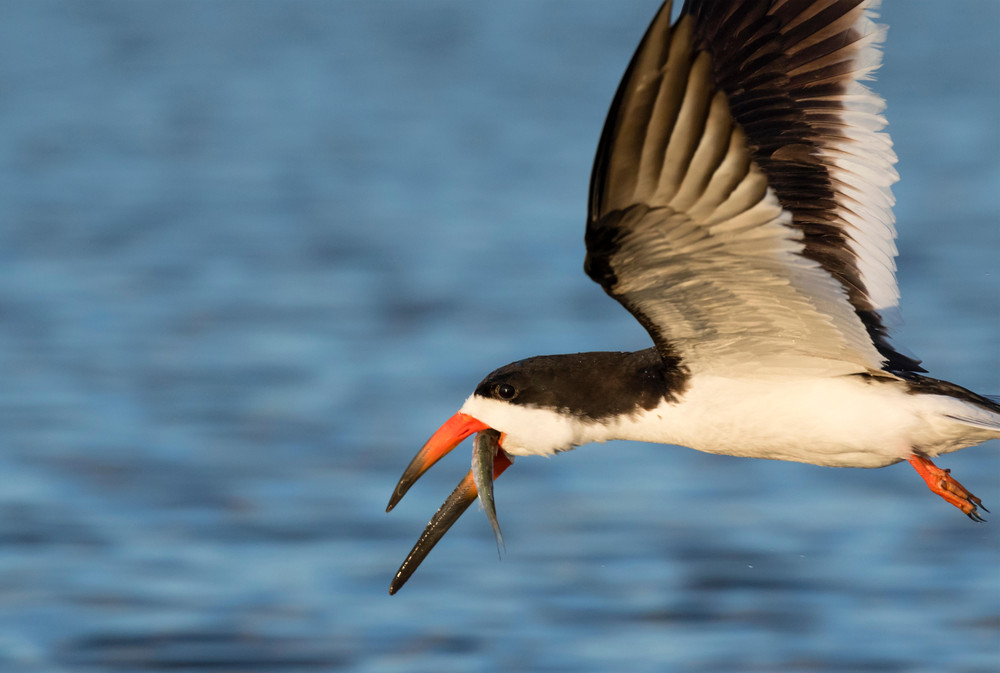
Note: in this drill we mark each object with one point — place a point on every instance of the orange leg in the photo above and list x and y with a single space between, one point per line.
941 482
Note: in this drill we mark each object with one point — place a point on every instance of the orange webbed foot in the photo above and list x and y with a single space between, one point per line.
941 482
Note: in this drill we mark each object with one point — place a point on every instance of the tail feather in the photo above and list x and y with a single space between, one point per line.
983 422
979 411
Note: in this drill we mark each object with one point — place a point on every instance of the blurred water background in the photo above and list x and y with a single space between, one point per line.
253 253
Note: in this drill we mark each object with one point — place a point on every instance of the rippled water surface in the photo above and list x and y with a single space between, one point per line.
253 253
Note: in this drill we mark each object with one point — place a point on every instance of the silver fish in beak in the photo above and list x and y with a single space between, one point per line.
487 447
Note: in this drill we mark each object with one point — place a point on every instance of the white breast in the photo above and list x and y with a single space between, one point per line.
840 421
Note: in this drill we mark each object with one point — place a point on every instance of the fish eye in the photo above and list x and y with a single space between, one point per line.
505 391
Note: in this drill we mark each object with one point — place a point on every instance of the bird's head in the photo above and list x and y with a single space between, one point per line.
519 400
541 405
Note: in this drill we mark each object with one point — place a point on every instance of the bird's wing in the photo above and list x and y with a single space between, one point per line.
740 203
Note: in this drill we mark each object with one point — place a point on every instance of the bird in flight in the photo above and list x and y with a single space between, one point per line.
740 209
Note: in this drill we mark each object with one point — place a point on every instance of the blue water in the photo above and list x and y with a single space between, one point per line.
253 253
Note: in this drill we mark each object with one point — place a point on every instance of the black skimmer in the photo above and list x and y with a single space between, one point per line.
740 209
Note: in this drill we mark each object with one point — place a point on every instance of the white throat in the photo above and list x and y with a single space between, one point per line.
535 431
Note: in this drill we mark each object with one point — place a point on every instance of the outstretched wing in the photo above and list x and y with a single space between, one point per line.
740 203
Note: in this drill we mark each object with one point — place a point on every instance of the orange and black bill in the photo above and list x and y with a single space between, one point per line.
459 500
448 436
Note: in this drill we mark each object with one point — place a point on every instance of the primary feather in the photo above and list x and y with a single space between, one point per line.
740 204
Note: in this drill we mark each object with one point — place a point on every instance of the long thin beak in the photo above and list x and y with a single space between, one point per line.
447 437
459 500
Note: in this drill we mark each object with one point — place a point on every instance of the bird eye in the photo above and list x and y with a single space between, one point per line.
505 391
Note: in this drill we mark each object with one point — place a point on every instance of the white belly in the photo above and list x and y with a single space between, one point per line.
842 422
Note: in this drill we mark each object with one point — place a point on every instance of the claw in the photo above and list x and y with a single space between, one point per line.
941 482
